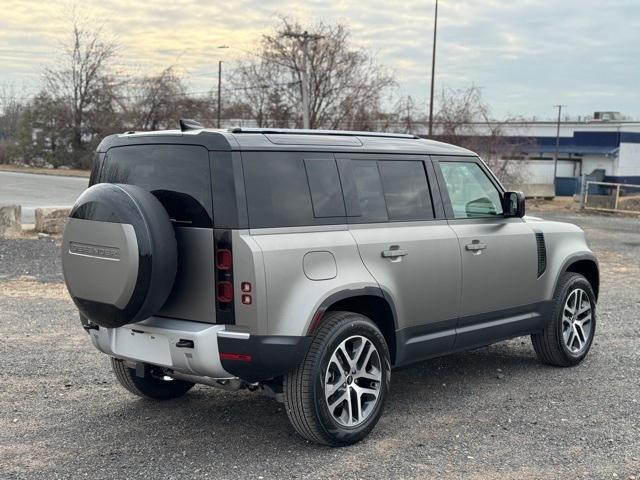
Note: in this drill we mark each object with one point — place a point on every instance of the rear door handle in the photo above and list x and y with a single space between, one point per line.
476 246
395 253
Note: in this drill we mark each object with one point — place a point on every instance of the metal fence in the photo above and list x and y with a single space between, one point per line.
611 197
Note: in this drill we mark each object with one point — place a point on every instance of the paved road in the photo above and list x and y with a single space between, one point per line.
492 413
32 191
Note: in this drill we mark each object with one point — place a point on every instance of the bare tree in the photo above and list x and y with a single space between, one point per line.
345 84
153 104
82 78
463 119
156 102
406 115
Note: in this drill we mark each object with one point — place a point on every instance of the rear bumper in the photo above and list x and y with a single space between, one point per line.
194 348
260 357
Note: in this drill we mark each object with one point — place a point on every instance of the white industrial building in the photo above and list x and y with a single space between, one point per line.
604 147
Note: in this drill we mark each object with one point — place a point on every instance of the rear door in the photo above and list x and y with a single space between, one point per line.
499 254
404 241
180 178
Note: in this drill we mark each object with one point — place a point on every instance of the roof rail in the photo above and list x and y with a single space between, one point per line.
299 131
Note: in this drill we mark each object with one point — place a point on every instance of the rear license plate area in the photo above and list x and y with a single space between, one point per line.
142 346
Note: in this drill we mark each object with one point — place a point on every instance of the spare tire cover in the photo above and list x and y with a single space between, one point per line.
119 254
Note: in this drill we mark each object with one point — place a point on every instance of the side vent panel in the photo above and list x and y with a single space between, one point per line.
542 253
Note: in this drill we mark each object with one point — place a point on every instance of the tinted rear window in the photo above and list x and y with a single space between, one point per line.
178 175
369 192
324 184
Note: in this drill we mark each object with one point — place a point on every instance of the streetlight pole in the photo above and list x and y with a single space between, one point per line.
220 89
433 70
219 92
555 157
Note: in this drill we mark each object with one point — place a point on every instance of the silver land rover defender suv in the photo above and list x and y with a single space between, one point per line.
309 264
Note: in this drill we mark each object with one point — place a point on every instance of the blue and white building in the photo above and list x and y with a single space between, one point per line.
605 148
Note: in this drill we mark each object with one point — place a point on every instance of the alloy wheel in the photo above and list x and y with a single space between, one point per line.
352 382
577 321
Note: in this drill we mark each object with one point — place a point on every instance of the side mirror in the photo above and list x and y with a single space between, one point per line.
513 204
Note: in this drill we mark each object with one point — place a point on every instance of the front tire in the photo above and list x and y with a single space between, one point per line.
148 387
337 394
568 335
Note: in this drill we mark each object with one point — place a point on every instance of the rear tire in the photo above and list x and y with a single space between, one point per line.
149 386
568 335
337 394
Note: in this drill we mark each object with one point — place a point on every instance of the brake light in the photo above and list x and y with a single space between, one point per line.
224 260
224 285
224 291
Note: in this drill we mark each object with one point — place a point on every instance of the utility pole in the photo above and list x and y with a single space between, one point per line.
219 91
305 84
555 157
433 70
304 38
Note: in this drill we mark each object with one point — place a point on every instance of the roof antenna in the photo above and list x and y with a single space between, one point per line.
189 124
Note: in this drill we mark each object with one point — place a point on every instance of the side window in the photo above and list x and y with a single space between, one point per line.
406 190
471 192
369 192
278 188
324 184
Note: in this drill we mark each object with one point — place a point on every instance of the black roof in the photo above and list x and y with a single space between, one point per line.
263 139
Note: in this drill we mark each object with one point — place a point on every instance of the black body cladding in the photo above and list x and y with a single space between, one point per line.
271 355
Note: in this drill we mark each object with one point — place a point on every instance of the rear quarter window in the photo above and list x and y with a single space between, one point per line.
178 175
286 189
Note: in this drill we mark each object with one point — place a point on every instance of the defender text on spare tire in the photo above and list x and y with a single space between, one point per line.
308 265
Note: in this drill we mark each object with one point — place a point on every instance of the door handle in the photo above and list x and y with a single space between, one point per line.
395 252
476 246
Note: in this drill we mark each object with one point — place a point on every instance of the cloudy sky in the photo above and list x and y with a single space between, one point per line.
526 55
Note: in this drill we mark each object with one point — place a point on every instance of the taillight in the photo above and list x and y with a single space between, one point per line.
224 260
224 291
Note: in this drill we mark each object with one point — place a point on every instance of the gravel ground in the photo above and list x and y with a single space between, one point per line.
493 412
